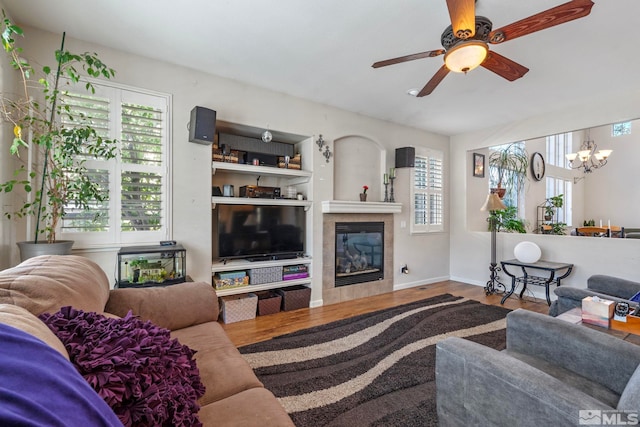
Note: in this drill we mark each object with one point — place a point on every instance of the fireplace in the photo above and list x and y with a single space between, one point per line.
359 249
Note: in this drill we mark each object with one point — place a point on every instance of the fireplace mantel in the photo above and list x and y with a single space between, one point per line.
346 206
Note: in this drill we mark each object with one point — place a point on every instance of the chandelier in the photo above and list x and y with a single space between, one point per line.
589 157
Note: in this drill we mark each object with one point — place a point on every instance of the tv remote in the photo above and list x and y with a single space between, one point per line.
167 242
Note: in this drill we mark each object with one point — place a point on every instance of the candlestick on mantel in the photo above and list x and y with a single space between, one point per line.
386 179
392 173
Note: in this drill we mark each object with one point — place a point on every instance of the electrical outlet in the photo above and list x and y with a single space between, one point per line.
404 269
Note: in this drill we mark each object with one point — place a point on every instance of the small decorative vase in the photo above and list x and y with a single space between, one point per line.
363 197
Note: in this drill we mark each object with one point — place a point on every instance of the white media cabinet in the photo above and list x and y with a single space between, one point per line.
240 174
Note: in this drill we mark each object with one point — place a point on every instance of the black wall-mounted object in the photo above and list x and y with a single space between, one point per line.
202 127
405 157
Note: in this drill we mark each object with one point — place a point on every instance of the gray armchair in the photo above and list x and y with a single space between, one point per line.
607 287
549 371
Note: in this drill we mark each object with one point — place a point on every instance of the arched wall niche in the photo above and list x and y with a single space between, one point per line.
358 161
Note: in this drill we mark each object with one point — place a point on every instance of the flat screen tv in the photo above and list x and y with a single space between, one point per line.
258 232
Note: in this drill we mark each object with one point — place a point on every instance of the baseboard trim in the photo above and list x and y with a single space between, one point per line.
419 283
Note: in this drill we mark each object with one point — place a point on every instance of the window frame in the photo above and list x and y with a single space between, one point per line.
119 94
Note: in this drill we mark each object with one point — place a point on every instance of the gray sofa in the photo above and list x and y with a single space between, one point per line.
607 287
549 372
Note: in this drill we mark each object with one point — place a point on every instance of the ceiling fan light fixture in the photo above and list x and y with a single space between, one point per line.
466 55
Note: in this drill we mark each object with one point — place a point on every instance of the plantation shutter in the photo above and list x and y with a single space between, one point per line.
137 210
427 190
142 180
93 110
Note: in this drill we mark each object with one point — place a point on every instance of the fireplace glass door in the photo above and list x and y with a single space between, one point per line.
359 252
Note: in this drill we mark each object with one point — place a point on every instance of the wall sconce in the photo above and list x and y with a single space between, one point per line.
327 154
320 142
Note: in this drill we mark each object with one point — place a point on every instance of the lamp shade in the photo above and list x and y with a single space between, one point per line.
493 203
465 56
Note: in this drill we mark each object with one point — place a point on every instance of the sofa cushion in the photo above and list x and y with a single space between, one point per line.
254 407
630 398
46 283
22 319
39 387
586 385
145 376
223 369
197 304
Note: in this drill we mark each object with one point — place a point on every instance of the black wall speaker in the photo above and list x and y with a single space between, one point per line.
202 127
405 157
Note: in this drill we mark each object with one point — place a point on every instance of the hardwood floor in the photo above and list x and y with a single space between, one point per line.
265 327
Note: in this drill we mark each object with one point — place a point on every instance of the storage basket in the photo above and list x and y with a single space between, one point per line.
269 302
229 280
258 276
239 307
295 297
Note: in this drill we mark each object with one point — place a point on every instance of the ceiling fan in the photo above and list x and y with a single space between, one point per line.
466 40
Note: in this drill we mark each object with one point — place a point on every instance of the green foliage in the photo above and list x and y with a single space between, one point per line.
557 201
558 228
64 149
511 163
507 220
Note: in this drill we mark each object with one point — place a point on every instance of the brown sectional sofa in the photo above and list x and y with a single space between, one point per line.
234 396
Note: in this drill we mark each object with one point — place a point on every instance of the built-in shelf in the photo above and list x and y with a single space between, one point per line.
345 206
245 265
302 175
258 201
263 287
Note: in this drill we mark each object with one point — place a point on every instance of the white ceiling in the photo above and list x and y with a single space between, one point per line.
322 50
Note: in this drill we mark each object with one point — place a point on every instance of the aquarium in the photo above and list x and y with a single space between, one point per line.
143 266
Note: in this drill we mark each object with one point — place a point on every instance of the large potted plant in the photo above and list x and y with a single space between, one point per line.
63 138
509 164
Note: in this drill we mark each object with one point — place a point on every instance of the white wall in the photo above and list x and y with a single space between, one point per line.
470 250
236 102
609 193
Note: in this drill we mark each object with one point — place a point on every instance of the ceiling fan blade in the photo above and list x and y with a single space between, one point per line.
541 21
435 81
463 17
504 67
400 59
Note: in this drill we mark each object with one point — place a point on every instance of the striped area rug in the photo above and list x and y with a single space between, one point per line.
376 369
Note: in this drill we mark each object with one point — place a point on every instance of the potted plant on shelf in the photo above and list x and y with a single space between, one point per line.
551 204
61 146
363 195
510 164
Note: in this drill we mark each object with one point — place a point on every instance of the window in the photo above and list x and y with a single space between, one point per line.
513 197
555 187
137 180
619 129
558 146
427 192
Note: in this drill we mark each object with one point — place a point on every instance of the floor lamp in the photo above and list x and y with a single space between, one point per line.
492 204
